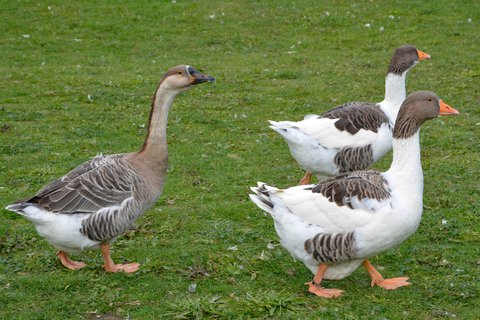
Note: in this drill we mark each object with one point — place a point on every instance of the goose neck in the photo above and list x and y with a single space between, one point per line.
395 94
406 155
156 141
405 177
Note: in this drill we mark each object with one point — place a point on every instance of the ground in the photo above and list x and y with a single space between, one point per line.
77 80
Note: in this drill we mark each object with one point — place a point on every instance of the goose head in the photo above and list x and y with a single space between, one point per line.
404 58
183 77
419 107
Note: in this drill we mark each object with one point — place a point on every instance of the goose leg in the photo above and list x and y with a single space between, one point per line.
388 284
315 288
112 267
307 179
70 264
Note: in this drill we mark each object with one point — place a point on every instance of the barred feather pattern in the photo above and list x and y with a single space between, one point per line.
360 184
107 188
89 165
331 248
354 116
109 223
103 182
352 159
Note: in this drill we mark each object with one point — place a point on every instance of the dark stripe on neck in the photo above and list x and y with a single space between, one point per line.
396 67
403 59
152 109
405 126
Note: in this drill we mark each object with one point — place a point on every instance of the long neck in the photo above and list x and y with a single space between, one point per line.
406 168
155 143
395 94
406 154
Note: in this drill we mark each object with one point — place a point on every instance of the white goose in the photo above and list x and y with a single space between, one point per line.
99 200
352 136
336 225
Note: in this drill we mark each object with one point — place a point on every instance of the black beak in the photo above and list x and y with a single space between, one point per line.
199 77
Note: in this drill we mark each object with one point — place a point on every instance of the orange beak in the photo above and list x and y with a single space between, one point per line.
422 55
446 110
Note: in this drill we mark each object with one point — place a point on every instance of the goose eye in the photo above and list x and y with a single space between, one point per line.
179 72
429 99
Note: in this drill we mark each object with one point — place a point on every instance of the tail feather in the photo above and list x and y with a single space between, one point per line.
281 125
289 130
262 197
17 208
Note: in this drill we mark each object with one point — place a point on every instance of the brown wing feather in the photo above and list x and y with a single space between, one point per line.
99 183
354 116
361 184
76 172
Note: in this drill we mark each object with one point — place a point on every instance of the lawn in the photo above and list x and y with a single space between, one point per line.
77 79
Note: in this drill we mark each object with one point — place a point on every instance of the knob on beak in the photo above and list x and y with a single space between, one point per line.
198 77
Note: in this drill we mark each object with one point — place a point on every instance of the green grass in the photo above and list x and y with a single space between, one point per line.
273 60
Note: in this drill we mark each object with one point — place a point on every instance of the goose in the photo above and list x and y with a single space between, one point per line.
338 224
101 199
352 136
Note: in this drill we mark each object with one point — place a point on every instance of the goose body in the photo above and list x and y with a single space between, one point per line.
102 198
96 201
352 136
336 225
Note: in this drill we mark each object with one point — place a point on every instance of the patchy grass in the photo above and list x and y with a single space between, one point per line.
77 79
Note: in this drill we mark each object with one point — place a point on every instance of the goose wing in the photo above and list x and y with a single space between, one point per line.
341 203
99 183
357 190
351 124
355 116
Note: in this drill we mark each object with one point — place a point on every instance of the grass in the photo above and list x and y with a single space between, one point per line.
77 79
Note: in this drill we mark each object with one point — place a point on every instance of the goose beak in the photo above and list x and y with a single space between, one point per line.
198 77
446 110
422 55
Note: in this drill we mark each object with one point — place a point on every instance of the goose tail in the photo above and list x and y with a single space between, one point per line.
261 197
18 208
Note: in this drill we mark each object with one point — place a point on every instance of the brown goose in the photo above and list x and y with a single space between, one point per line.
100 199
352 136
338 224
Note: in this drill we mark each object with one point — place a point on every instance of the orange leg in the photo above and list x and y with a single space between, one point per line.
65 260
307 179
112 267
315 287
388 284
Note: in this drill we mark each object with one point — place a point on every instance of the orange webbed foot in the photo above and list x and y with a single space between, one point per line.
70 264
127 267
388 284
112 267
77 265
392 283
323 292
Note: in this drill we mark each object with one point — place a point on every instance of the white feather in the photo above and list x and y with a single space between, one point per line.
61 230
299 214
314 141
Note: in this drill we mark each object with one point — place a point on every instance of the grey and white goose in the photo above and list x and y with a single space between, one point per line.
101 199
352 136
338 224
